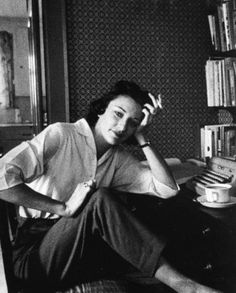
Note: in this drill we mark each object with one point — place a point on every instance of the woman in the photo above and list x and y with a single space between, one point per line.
70 221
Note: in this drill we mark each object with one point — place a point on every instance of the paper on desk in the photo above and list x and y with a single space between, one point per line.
183 171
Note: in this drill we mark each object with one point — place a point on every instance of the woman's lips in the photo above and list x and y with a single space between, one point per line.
117 134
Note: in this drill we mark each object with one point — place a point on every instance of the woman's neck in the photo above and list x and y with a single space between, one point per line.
101 145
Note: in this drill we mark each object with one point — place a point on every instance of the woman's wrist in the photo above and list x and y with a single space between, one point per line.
63 210
145 144
141 139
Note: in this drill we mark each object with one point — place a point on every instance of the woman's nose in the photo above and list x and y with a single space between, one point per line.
122 125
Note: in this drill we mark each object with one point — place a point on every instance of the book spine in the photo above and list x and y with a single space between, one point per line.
211 24
220 84
210 83
208 143
232 86
221 28
226 25
234 24
216 83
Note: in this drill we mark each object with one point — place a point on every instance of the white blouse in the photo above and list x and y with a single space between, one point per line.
63 155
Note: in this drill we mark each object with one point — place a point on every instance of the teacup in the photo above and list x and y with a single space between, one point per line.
217 192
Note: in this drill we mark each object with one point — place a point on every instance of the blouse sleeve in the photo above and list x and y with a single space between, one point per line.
136 177
27 161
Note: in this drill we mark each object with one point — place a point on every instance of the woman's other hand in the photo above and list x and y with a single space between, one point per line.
74 202
149 111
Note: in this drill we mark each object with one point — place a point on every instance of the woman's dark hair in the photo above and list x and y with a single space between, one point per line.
122 87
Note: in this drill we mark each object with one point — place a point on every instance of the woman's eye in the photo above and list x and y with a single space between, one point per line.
118 114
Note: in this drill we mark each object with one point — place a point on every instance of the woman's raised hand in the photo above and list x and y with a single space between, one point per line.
149 110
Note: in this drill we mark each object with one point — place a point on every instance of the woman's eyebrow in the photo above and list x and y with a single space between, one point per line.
120 108
135 118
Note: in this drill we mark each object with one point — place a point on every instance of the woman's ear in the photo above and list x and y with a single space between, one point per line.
101 111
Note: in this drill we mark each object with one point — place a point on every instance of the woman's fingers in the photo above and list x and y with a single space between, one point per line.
157 102
146 116
154 101
150 109
80 193
91 183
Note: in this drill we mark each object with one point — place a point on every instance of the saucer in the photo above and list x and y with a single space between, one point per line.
218 205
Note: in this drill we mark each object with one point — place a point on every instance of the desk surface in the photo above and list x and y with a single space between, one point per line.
225 216
205 237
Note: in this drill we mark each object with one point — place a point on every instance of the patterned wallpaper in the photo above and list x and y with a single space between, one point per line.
162 45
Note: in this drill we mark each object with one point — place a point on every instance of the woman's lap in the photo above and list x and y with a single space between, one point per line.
73 249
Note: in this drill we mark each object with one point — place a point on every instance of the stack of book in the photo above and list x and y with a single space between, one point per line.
222 26
221 82
218 141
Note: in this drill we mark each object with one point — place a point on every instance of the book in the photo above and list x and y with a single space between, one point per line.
234 27
220 76
225 83
221 93
215 28
209 71
208 143
221 28
216 65
217 140
230 80
216 146
228 24
232 87
230 141
211 22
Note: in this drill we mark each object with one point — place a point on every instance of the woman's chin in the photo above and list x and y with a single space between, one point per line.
114 141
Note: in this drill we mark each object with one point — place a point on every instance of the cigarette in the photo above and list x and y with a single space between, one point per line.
159 101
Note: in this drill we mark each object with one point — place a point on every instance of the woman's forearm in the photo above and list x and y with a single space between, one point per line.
22 195
158 165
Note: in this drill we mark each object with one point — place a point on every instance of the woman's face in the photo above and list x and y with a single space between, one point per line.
119 121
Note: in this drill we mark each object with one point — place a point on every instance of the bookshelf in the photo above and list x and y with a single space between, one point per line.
218 140
222 25
220 74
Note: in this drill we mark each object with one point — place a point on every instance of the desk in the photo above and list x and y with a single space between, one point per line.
224 224
203 240
220 229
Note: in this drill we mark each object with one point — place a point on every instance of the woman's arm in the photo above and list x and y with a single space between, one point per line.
22 195
158 165
27 162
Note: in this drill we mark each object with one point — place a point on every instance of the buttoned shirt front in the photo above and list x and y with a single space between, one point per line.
63 155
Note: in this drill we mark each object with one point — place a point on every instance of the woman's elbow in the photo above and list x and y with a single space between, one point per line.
168 193
172 193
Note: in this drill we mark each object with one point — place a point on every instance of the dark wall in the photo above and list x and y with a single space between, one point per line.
56 59
162 45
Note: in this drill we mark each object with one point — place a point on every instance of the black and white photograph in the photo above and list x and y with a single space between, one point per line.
117 146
